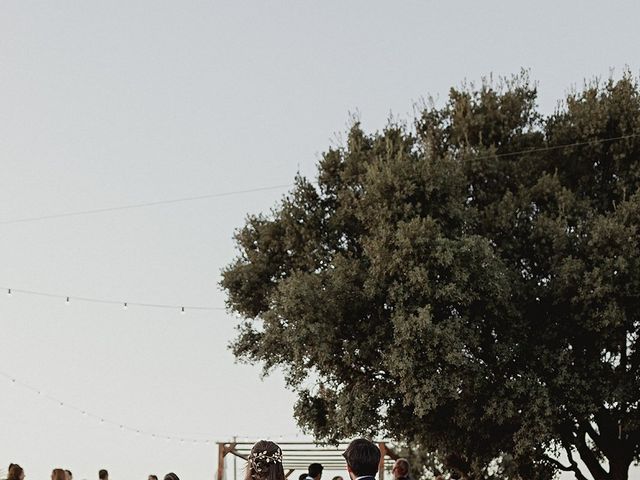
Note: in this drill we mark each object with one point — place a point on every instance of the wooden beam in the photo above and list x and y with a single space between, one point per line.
383 453
221 455
291 470
391 453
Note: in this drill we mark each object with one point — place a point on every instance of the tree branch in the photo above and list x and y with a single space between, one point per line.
574 464
558 464
588 457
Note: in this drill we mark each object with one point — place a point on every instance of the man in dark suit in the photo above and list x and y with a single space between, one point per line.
363 459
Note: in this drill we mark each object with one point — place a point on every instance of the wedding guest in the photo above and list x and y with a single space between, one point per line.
337 478
68 475
15 472
171 476
58 474
315 471
302 476
400 469
103 474
265 462
153 477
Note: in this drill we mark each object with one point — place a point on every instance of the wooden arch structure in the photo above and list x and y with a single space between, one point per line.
298 456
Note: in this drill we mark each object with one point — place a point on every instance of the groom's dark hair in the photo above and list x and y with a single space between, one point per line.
363 457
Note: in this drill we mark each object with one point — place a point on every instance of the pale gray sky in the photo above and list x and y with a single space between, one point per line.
110 103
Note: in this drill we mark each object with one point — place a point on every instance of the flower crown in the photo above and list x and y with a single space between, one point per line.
260 460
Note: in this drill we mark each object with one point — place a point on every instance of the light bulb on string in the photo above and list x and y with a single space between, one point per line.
121 427
182 310
61 404
102 421
84 413
125 306
67 301
9 291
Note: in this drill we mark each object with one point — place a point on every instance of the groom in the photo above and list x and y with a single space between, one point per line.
363 459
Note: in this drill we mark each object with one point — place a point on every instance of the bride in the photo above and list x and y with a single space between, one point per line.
265 462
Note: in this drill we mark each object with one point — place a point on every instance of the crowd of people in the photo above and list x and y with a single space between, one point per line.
16 472
265 462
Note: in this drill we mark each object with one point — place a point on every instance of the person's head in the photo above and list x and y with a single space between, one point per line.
337 478
153 477
58 474
315 471
363 458
15 472
68 475
265 462
302 476
400 468
171 476
103 474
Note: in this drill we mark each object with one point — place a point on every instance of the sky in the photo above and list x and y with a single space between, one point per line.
104 104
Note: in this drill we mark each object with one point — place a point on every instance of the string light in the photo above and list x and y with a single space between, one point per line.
121 426
125 304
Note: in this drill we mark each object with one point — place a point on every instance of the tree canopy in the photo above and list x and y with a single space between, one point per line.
468 282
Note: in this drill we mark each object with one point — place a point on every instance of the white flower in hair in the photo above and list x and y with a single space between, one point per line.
259 459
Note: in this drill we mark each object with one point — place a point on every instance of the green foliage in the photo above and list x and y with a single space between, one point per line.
470 285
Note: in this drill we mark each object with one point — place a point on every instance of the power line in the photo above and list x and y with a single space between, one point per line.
277 187
142 205
558 147
123 303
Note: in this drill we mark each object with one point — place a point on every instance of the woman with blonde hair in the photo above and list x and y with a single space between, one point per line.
265 462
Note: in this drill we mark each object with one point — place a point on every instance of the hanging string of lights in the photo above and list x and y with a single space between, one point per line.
99 418
125 304
102 420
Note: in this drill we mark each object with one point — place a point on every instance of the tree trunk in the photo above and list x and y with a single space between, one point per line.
619 468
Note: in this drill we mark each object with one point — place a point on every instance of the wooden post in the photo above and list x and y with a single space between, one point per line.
291 470
221 454
383 453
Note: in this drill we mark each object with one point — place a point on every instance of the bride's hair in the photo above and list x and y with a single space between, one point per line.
265 462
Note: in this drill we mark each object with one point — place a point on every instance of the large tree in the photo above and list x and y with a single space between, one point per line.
468 283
